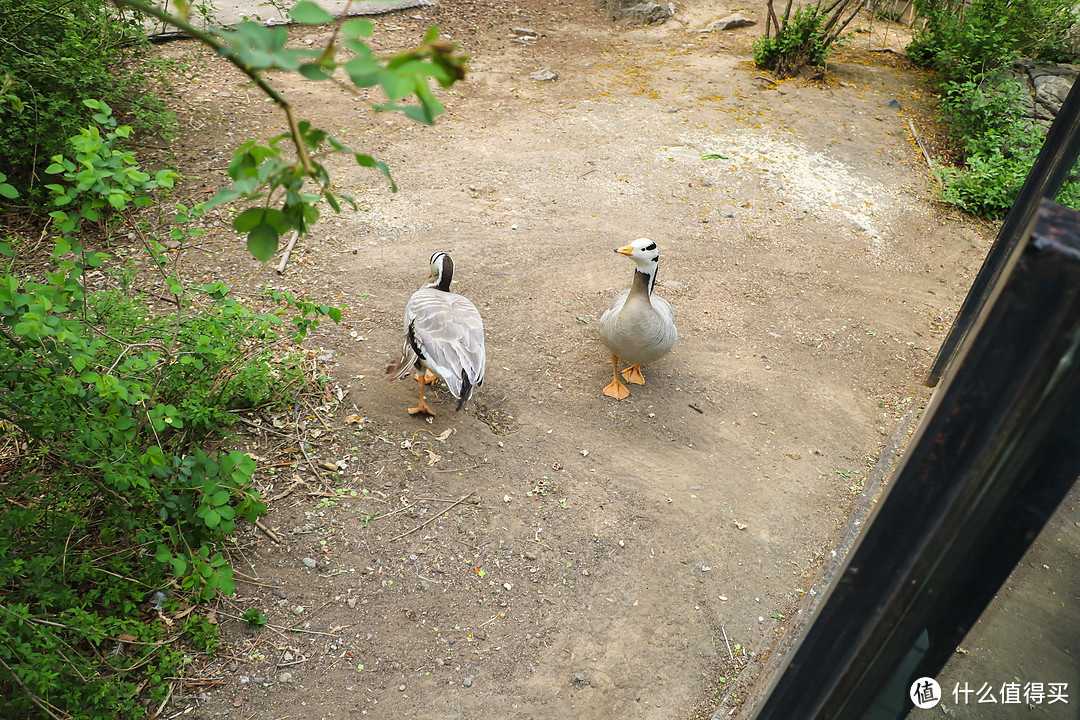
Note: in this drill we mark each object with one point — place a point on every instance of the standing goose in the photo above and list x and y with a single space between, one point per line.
638 327
444 335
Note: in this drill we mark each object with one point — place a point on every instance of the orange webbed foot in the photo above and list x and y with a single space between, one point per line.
617 390
422 409
633 374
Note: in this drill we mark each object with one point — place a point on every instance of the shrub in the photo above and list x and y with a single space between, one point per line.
965 38
799 42
972 45
804 39
54 56
115 498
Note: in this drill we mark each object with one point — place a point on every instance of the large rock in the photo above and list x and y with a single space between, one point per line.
731 22
1050 92
1048 85
636 12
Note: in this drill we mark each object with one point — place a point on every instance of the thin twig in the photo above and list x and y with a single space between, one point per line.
34 698
461 469
257 426
730 654
445 500
222 49
268 532
919 142
288 252
433 517
168 696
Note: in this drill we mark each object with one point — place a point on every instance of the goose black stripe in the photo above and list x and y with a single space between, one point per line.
466 391
414 344
650 280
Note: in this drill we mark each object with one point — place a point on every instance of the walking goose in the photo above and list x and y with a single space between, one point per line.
444 337
638 327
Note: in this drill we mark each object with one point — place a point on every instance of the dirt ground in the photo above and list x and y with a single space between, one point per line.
549 552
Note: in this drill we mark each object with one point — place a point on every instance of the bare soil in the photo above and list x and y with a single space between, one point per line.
633 559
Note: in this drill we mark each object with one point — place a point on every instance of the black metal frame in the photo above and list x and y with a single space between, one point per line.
992 459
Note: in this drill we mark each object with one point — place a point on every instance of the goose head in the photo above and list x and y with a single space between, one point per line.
442 271
645 255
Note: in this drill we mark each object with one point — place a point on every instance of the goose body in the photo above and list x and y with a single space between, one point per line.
444 337
639 327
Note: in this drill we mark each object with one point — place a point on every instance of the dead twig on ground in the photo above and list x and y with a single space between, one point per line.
433 517
268 532
919 142
730 654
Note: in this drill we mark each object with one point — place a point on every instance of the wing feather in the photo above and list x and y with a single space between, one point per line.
448 334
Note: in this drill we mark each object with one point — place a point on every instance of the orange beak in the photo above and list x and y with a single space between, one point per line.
625 250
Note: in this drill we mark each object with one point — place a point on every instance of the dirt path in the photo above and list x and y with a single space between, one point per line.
605 548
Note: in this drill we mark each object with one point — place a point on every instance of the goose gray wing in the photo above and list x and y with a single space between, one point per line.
445 331
667 317
616 306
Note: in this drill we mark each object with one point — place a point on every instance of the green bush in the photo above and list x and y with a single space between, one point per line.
972 45
55 55
965 38
117 491
801 41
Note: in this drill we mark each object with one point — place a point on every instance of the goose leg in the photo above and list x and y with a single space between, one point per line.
423 407
633 374
616 389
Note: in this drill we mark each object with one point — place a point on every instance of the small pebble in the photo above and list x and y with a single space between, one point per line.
285 677
467 682
309 562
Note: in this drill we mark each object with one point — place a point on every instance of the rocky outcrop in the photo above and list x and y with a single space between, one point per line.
731 22
639 12
1048 84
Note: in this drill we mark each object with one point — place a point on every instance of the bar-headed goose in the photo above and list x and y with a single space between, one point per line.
444 335
638 327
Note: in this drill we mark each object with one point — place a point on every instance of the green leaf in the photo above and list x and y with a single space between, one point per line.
225 195
263 241
313 72
211 518
247 220
308 13
368 161
332 201
363 71
357 27
8 191
395 84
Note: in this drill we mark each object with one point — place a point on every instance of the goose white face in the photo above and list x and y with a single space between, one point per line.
442 270
643 252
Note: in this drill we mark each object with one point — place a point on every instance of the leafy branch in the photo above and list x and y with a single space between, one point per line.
263 172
